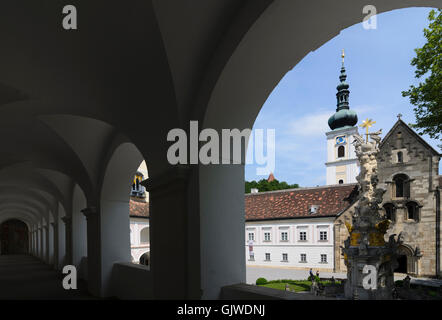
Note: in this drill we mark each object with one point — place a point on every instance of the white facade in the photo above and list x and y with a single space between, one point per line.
139 238
281 243
342 165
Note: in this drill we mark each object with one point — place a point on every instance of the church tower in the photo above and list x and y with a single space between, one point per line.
342 164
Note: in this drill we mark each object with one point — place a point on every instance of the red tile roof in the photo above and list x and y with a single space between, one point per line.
296 203
138 207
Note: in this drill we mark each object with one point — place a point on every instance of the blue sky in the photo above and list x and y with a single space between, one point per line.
378 70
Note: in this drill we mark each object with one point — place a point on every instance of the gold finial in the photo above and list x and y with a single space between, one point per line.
343 56
367 123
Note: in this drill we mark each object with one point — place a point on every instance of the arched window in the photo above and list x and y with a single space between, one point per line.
341 152
341 181
144 236
400 157
390 211
145 258
401 186
412 211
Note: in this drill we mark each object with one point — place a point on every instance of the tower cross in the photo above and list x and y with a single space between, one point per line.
367 123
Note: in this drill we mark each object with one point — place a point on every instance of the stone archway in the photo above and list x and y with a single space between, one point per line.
406 260
14 237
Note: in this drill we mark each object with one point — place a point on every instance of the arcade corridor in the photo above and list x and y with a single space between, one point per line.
25 277
81 109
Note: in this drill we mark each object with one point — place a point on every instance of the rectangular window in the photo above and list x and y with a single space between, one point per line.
251 236
284 236
323 235
285 257
303 236
303 257
323 258
252 256
267 256
267 236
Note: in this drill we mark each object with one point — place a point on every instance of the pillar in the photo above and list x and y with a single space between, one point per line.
55 241
68 243
46 235
93 250
40 237
169 215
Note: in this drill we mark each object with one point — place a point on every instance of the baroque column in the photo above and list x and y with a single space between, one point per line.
369 259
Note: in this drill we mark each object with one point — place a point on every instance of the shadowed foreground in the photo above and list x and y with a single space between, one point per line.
25 277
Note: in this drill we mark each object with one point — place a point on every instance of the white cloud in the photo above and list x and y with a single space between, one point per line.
314 125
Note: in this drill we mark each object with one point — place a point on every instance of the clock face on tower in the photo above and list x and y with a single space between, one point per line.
340 140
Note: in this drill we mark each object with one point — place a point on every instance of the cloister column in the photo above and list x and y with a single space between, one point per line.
170 255
34 236
30 242
68 242
55 241
222 226
46 235
40 237
93 250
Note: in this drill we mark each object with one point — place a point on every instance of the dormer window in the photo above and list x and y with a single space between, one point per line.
313 209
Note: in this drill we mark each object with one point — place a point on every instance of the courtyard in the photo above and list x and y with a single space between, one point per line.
274 273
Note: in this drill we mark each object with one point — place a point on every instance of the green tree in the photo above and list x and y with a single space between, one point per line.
263 185
427 96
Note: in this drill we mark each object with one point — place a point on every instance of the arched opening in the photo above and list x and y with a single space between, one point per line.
406 261
117 207
341 152
402 261
144 235
14 237
225 186
145 259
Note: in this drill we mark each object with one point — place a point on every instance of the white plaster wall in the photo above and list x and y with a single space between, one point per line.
138 248
313 248
350 160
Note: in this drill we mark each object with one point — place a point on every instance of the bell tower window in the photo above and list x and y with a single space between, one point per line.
341 152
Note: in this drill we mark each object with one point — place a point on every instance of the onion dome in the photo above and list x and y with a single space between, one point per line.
344 117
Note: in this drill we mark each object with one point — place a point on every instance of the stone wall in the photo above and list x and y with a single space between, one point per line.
421 165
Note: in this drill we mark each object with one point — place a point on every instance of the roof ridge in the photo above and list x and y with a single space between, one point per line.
304 188
419 138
